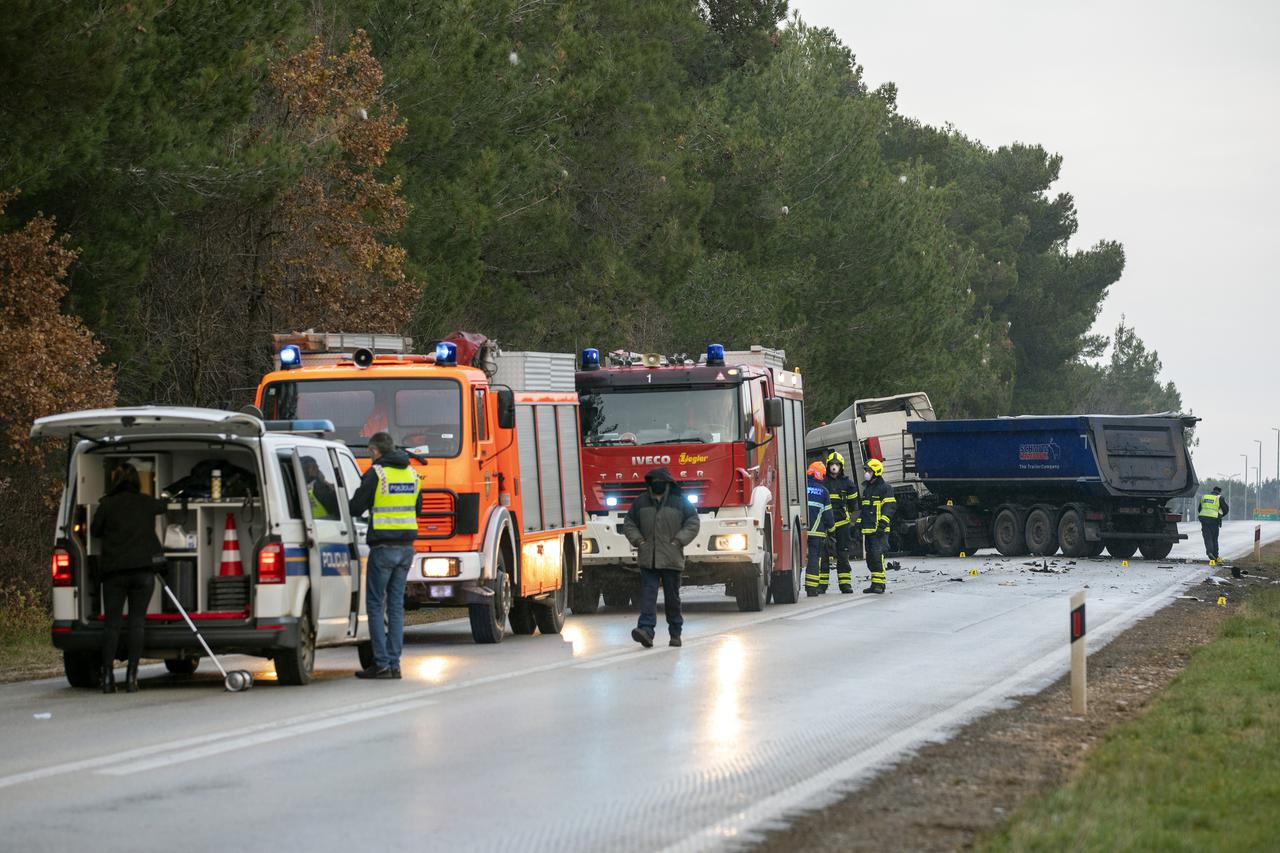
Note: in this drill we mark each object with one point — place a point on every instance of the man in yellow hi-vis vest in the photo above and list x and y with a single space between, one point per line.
390 489
1213 508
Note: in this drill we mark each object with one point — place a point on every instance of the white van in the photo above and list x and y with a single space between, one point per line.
237 492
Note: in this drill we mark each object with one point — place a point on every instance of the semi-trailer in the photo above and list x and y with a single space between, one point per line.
1024 485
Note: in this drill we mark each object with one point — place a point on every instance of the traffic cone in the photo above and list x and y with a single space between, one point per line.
231 566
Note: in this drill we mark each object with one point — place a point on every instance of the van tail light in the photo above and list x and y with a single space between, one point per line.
271 563
61 567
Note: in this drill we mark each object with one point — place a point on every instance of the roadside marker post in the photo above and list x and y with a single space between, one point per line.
1079 663
1257 543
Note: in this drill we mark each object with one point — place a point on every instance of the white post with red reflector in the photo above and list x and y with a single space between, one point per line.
1079 663
1257 544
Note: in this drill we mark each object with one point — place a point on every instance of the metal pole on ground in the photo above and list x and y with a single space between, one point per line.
1258 502
1079 663
1276 430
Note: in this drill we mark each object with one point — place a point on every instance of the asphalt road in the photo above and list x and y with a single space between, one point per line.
585 742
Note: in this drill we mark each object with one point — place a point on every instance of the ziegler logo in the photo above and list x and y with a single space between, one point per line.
692 458
650 460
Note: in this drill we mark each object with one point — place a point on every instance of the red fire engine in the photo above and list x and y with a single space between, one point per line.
730 428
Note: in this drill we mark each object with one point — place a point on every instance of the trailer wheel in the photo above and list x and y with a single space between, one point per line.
751 593
549 614
948 536
1122 549
1095 548
1011 539
83 669
489 620
1071 534
1155 549
296 666
1042 536
522 618
181 666
786 586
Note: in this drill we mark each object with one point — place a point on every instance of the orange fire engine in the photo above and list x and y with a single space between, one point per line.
494 438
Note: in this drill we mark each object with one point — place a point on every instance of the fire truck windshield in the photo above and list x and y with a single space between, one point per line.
424 415
648 415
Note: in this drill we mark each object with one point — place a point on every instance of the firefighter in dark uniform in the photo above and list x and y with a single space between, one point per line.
876 520
820 525
844 509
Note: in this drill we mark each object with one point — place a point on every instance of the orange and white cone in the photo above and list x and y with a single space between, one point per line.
231 566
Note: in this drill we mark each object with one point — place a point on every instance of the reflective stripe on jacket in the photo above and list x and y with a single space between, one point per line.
1211 506
395 503
878 507
821 521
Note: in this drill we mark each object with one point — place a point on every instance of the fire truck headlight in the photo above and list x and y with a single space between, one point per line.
611 501
732 542
440 567
290 357
693 499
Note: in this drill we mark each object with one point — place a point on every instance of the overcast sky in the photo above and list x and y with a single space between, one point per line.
1167 115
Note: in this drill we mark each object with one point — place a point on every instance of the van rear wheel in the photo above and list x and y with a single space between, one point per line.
296 666
83 669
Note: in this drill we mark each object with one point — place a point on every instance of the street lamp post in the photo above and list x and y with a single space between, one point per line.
1257 503
1245 503
1276 430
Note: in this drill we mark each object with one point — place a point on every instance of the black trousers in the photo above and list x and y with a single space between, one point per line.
876 545
837 547
1209 530
669 580
117 588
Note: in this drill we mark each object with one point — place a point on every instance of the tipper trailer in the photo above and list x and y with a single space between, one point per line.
730 428
494 438
1030 484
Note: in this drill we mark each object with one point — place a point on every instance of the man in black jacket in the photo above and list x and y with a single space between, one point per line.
390 489
660 525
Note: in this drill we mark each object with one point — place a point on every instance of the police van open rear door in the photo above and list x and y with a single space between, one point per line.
329 559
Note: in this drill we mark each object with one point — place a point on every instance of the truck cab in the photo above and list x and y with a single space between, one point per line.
730 428
493 437
260 569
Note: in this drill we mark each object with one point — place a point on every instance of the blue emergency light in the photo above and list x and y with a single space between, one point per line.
715 355
591 359
290 357
446 354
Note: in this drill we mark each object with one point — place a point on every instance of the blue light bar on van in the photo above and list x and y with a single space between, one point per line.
313 426
290 357
591 359
715 354
446 354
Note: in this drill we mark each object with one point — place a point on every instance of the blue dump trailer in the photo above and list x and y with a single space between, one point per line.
1040 484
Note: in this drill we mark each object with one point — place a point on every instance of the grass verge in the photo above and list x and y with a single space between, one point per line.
1200 771
25 648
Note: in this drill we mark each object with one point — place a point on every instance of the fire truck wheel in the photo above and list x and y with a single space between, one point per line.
752 592
181 666
786 585
549 613
489 620
617 596
296 666
82 668
522 621
365 652
1155 549
584 598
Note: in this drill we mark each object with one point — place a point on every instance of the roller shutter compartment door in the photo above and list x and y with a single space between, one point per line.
571 460
549 468
530 489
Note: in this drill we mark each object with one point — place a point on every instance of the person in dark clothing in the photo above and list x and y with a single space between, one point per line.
130 555
660 525
821 522
390 489
844 509
324 500
1213 509
876 520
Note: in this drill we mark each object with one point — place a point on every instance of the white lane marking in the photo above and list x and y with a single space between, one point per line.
273 734
858 602
861 764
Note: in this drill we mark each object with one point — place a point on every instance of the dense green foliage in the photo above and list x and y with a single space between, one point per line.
584 172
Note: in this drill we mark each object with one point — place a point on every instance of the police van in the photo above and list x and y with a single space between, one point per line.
259 544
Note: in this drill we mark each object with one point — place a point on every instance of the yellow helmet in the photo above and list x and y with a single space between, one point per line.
875 466
834 456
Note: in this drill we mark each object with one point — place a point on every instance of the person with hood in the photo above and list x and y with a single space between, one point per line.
390 489
660 525
125 525
821 522
876 520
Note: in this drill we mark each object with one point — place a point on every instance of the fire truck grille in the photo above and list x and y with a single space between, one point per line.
435 516
626 493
